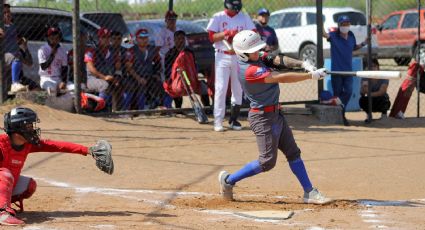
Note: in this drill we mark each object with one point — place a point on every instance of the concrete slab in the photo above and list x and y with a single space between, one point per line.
267 214
329 114
64 102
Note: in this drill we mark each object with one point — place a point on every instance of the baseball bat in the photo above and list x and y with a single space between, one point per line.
227 44
196 105
377 74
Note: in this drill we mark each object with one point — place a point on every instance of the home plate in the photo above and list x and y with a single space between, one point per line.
267 214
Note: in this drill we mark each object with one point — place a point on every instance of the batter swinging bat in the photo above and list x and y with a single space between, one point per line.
378 74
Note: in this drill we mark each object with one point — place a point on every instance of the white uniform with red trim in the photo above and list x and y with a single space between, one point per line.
226 65
51 77
165 40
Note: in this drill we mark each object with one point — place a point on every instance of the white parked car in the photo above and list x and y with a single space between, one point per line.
297 34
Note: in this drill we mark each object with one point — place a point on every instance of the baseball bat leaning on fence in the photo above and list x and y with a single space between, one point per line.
201 117
378 74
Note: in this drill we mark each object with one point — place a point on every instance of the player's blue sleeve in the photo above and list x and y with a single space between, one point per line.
273 38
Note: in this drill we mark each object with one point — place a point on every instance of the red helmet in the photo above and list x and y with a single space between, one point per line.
53 31
171 15
142 32
103 32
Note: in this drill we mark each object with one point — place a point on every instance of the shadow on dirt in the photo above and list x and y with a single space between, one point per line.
35 217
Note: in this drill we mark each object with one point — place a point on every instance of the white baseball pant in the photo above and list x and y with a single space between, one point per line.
96 84
50 82
226 67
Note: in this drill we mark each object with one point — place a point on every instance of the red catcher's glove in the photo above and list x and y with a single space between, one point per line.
229 34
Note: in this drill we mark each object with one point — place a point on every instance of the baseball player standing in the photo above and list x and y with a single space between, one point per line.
164 41
261 86
222 27
267 33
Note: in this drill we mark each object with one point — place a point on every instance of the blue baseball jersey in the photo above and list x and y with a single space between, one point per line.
342 51
10 41
260 94
268 35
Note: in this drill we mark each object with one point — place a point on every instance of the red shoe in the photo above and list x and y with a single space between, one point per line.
8 219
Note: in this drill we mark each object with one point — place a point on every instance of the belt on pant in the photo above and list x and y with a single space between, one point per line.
266 109
226 52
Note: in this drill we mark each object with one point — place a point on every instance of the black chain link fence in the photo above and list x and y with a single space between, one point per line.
129 65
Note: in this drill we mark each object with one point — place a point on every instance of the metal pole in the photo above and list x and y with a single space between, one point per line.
3 90
77 53
319 54
170 5
418 57
369 57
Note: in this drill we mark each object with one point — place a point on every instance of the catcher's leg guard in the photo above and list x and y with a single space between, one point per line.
24 189
6 187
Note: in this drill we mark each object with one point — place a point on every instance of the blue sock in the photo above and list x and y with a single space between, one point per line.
250 169
16 71
103 95
168 101
127 96
141 102
297 167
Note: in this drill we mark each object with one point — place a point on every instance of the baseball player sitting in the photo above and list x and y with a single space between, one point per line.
261 86
22 138
53 63
100 64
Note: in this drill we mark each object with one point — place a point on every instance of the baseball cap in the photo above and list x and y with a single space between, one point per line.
171 15
263 11
103 32
343 18
53 31
142 33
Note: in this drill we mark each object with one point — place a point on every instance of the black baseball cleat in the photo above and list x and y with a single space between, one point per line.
345 122
235 125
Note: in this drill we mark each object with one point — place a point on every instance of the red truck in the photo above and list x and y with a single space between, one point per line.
397 35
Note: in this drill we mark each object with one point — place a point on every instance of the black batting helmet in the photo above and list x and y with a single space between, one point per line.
23 121
235 5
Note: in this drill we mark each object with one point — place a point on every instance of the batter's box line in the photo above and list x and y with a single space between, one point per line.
123 192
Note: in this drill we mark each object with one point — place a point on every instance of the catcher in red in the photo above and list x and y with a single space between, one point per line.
22 138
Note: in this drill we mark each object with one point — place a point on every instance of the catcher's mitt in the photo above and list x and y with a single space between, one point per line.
102 153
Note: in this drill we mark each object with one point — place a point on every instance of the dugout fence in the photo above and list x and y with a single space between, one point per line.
389 22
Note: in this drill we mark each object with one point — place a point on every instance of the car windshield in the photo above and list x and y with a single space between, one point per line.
105 19
155 26
356 18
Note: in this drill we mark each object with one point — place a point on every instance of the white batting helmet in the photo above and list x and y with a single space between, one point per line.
246 42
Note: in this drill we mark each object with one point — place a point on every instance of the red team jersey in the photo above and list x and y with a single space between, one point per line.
15 160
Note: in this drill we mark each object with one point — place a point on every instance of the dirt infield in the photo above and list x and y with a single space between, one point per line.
166 175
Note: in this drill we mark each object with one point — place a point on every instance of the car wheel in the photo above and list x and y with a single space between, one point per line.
402 61
309 52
